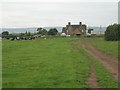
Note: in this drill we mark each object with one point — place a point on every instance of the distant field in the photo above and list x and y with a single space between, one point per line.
50 63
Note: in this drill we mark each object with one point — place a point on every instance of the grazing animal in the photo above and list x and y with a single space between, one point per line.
12 39
17 38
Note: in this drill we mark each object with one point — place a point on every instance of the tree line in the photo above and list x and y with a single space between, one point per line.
40 31
112 33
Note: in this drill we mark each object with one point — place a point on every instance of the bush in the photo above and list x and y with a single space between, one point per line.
42 31
112 32
52 31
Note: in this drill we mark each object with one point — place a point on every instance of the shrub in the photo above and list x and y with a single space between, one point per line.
52 31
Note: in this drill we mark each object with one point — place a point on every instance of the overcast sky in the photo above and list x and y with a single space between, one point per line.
34 13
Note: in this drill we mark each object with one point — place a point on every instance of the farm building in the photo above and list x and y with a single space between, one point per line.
74 30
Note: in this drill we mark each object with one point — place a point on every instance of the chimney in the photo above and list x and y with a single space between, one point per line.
69 23
80 23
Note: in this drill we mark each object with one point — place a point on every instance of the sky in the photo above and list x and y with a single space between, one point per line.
119 12
48 13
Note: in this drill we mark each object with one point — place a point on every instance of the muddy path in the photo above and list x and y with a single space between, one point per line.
91 80
109 62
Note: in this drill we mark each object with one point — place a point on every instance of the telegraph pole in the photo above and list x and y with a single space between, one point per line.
100 29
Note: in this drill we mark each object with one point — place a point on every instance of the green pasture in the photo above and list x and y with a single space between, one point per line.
43 64
50 63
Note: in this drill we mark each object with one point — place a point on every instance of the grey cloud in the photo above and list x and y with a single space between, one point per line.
54 14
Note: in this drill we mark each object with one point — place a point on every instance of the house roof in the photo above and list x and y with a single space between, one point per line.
77 26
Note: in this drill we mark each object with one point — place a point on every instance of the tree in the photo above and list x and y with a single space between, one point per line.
5 33
22 34
29 34
112 32
26 33
89 31
52 31
42 31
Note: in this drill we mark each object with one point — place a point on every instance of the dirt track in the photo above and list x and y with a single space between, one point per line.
91 81
109 62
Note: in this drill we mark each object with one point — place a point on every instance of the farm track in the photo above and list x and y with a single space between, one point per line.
109 62
91 81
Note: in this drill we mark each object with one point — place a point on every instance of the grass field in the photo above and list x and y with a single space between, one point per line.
109 47
51 63
42 63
